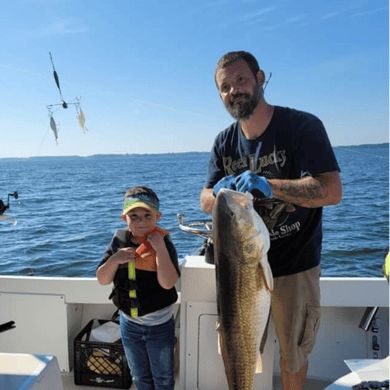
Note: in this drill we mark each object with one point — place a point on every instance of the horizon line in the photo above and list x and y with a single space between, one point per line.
162 153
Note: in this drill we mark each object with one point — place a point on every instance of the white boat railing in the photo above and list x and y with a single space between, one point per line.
49 312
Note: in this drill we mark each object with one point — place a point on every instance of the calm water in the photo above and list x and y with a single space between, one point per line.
68 209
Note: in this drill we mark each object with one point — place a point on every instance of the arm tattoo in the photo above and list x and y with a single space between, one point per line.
304 189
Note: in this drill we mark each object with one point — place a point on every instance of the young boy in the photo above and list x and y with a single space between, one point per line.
142 262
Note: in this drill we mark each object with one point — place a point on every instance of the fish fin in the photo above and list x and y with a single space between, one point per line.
259 365
265 335
269 279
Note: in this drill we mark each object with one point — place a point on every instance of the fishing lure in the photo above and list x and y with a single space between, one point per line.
80 114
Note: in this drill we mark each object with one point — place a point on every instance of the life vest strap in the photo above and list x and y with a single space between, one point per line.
145 258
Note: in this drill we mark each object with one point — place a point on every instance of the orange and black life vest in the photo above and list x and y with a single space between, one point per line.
150 296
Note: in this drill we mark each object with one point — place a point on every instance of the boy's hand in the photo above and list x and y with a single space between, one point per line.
155 240
124 255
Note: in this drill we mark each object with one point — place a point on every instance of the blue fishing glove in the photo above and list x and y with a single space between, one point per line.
226 182
250 182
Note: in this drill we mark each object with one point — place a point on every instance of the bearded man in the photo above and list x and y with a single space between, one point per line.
284 158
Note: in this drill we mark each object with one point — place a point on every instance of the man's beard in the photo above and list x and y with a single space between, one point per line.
243 109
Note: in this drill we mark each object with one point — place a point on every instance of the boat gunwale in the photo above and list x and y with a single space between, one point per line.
337 291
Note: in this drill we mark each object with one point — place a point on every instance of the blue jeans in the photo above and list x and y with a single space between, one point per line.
149 353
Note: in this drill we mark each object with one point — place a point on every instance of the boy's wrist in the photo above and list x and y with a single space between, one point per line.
159 246
115 259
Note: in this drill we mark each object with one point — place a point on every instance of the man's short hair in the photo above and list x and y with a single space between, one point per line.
234 56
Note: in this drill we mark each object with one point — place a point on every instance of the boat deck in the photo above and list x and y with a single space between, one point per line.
50 312
311 384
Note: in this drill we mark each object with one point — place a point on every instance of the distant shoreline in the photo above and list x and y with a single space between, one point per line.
381 145
104 155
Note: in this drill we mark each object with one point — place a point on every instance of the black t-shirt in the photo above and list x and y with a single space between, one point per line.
294 145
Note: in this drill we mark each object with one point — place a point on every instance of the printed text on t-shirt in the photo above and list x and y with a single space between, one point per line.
255 165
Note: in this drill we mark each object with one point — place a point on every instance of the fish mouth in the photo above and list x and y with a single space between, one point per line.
244 199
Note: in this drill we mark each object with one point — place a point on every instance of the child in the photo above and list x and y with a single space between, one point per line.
142 262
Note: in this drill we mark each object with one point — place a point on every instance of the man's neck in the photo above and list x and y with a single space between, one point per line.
258 122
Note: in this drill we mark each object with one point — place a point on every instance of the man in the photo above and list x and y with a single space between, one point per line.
284 158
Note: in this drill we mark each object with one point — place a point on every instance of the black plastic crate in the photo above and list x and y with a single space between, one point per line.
100 364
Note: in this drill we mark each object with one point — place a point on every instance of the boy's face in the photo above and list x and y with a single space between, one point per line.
141 221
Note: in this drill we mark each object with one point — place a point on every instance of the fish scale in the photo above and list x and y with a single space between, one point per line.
244 280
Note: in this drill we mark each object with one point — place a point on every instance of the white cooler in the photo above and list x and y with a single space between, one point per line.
33 372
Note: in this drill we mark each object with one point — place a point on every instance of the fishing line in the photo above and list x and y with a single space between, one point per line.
43 139
30 194
31 190
27 191
266 83
52 108
57 81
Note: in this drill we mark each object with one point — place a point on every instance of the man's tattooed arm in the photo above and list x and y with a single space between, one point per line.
312 191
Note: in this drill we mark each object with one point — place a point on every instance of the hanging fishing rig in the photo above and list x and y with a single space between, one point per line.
75 102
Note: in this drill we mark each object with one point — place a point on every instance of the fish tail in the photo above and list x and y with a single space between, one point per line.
259 365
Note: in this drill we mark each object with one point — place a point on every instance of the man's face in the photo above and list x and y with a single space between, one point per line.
238 89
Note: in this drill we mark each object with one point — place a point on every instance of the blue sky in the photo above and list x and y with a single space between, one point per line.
145 70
